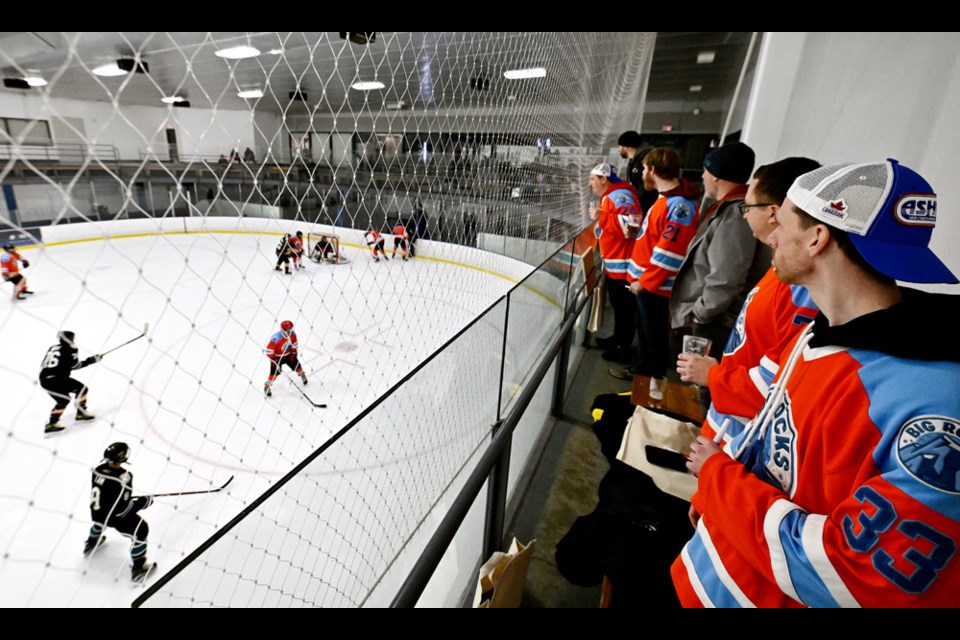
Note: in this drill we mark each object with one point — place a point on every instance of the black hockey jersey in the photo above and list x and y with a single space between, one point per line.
60 360
111 495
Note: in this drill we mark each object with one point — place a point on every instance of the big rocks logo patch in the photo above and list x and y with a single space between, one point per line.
928 447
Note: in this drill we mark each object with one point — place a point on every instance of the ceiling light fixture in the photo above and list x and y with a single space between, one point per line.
109 70
250 94
274 52
370 85
238 53
706 57
696 88
172 99
523 74
35 81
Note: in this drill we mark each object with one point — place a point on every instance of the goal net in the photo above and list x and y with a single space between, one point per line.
148 178
325 247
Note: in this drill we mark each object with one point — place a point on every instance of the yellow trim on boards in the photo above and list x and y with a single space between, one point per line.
275 233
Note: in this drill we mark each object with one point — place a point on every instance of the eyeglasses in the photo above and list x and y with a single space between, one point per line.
744 206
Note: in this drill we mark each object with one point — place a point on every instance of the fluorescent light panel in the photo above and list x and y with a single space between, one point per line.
706 57
238 53
696 88
172 99
369 85
523 74
35 81
250 94
109 70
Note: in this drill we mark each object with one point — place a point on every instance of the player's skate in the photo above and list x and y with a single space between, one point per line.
91 545
266 390
53 427
83 415
303 377
141 569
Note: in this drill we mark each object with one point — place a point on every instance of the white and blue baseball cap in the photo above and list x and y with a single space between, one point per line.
606 170
888 210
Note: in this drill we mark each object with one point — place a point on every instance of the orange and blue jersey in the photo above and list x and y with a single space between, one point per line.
617 226
400 232
771 316
281 346
846 488
296 245
669 227
9 263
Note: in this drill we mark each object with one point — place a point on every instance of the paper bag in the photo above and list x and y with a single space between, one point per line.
656 445
502 576
597 306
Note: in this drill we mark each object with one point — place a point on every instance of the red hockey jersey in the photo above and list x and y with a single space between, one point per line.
846 488
618 225
771 316
281 345
667 231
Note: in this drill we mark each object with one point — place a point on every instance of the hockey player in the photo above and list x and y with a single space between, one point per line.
401 239
10 263
296 250
113 505
323 249
55 378
282 350
375 241
284 253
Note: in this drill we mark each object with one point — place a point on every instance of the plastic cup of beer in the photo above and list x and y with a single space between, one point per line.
696 345
658 384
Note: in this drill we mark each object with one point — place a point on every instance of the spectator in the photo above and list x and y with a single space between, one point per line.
844 490
629 146
657 254
724 260
771 316
618 219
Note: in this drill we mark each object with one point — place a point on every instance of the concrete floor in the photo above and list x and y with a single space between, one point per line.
564 485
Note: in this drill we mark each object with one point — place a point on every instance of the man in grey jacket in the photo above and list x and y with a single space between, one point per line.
724 260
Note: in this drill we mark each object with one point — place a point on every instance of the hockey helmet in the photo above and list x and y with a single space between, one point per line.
117 453
299 234
67 336
286 326
8 247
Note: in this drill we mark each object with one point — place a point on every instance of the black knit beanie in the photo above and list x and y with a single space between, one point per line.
732 162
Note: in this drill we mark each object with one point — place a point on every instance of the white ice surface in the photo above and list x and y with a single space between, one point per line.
188 398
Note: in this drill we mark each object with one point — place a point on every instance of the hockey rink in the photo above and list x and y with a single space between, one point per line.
188 397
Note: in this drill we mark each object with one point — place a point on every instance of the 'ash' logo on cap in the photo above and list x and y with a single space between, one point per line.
928 447
916 209
835 208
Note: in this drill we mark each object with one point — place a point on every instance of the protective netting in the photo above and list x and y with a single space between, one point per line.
138 216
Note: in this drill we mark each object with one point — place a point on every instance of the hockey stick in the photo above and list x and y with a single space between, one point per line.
304 393
191 493
145 327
